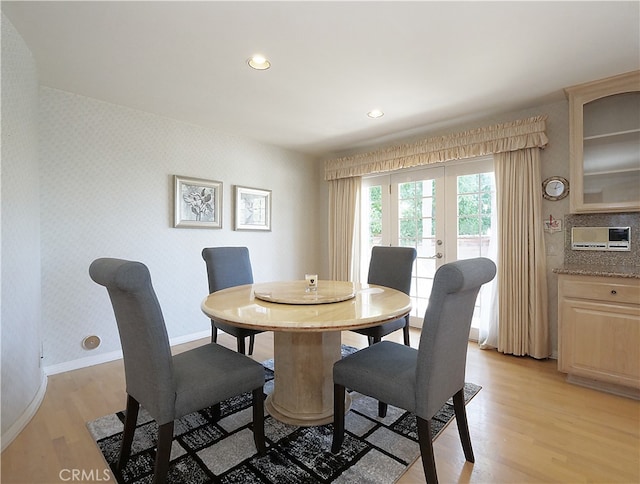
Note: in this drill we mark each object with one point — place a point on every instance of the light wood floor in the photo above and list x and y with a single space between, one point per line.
527 425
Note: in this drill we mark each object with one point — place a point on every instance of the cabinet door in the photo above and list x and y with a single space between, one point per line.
605 145
601 341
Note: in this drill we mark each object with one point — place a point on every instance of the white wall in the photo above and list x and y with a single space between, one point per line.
107 191
83 179
23 381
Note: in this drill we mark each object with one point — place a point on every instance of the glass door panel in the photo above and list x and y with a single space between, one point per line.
375 219
444 212
420 201
473 187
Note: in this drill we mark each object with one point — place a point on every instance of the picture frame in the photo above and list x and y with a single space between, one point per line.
252 208
197 203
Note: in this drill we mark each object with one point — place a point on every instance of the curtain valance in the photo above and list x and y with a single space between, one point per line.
499 138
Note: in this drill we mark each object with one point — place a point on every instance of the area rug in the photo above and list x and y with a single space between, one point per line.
375 450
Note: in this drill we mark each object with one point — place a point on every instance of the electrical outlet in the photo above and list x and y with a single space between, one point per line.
91 342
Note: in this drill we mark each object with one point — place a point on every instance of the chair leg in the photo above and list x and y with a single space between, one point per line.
463 426
214 333
258 420
241 348
216 411
405 332
426 450
130 420
252 340
163 453
338 418
370 340
382 409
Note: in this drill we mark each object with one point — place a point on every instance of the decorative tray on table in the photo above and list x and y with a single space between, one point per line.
298 292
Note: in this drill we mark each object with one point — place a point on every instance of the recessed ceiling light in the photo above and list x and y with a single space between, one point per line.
375 113
259 62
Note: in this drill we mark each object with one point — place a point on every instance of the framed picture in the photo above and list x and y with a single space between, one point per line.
253 209
198 203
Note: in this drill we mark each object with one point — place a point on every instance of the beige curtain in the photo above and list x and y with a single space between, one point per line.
498 138
523 327
344 196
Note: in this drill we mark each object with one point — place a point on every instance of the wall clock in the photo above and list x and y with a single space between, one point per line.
555 188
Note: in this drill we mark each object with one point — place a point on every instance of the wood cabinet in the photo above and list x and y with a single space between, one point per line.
604 144
599 332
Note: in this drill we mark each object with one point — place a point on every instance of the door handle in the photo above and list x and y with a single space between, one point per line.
436 256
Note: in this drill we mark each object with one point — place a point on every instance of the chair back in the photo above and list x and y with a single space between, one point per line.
148 363
392 267
442 353
227 267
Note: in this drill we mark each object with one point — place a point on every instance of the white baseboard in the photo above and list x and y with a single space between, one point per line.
82 362
13 431
34 405
190 337
114 355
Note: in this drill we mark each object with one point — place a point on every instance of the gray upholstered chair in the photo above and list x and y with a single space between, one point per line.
390 267
167 386
421 381
229 267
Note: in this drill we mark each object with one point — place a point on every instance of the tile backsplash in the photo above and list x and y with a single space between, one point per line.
598 257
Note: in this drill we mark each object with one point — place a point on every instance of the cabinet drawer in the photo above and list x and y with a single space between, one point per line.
611 290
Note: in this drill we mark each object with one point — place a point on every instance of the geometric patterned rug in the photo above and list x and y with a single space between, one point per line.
375 450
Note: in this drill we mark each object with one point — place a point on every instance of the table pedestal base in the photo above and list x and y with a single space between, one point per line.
303 387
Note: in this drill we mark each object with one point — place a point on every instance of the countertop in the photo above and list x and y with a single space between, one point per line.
630 272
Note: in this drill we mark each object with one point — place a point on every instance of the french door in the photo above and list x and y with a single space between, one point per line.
444 212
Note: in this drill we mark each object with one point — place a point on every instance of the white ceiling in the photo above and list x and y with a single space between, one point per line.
425 64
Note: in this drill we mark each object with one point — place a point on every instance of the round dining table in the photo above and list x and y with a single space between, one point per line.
306 322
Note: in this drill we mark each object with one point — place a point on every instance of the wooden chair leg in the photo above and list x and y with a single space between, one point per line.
163 453
382 409
463 426
405 332
426 450
130 421
338 418
252 340
214 333
258 420
216 411
241 348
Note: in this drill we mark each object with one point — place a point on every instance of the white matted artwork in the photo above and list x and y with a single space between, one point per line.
253 209
198 203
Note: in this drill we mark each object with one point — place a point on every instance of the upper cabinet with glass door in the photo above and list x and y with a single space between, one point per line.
604 119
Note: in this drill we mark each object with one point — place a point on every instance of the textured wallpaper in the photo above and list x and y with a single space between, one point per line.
106 183
20 262
107 191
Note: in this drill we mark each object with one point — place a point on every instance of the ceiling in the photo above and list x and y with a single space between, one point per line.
425 64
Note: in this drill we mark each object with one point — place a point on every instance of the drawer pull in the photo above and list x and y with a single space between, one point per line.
614 292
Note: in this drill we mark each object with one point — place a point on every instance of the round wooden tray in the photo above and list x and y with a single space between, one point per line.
297 292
